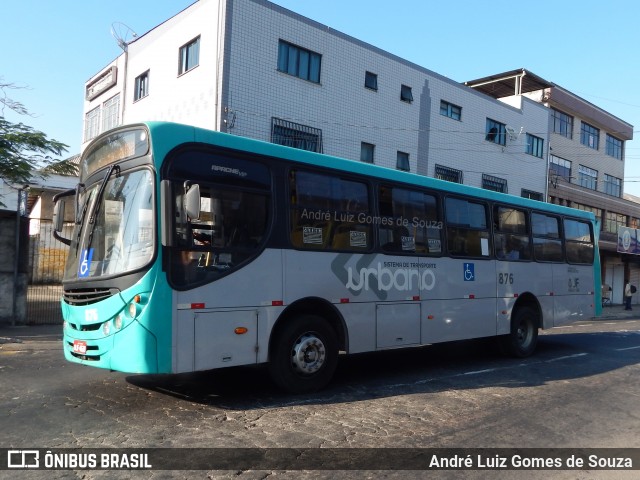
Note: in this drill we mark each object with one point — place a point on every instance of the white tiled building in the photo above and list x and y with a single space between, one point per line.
252 68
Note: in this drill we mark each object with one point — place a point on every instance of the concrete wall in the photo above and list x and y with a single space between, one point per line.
8 244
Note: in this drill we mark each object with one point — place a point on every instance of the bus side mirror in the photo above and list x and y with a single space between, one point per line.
59 207
192 202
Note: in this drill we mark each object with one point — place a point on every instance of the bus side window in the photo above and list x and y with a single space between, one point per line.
547 243
412 222
511 233
579 242
467 228
327 212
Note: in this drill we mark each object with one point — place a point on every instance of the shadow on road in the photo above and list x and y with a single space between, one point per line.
449 366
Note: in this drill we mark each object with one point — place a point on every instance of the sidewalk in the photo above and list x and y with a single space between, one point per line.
617 312
29 334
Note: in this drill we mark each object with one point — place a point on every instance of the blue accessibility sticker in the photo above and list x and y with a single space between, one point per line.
469 272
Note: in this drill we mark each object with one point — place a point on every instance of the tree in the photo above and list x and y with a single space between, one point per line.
24 150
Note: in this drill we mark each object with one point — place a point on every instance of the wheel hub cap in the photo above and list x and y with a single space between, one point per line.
308 354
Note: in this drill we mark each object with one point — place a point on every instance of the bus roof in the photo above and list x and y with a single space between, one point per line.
166 135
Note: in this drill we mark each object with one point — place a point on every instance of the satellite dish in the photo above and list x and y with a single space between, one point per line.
513 135
123 34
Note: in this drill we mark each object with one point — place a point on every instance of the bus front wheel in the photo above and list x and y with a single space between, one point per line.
304 355
523 338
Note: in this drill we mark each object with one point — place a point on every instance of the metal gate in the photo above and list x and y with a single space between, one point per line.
47 257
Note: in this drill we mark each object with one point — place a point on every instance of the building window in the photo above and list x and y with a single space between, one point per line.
562 123
489 182
587 177
612 186
614 220
448 174
141 88
450 110
614 147
366 152
92 124
295 135
299 62
371 81
405 94
590 136
402 162
496 132
524 193
111 113
189 56
559 167
535 146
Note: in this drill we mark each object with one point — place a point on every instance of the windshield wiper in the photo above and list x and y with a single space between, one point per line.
97 203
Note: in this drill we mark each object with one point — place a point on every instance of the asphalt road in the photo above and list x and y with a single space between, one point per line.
580 390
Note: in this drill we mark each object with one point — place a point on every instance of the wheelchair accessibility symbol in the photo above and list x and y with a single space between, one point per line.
85 263
469 272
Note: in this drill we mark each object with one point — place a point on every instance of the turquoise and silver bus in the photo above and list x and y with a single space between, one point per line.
195 250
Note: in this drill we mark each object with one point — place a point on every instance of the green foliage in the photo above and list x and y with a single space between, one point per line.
24 150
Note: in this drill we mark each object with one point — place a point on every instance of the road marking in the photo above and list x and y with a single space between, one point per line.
479 371
566 357
628 348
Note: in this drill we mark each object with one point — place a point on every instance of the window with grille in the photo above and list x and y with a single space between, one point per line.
296 135
489 182
524 193
448 174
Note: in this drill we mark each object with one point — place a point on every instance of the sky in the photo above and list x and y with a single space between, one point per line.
50 48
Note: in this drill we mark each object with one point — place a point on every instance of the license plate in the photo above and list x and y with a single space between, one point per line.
80 346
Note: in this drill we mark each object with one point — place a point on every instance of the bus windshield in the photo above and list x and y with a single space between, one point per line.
115 234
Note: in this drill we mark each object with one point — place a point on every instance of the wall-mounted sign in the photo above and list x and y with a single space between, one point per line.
628 240
103 82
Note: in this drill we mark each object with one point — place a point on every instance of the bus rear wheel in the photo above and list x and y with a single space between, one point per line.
523 338
304 355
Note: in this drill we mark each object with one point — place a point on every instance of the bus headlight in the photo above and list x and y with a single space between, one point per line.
132 309
106 328
117 322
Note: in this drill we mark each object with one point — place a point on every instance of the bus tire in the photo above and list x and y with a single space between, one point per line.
522 340
304 355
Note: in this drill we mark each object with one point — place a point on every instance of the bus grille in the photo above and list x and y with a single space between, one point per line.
87 296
